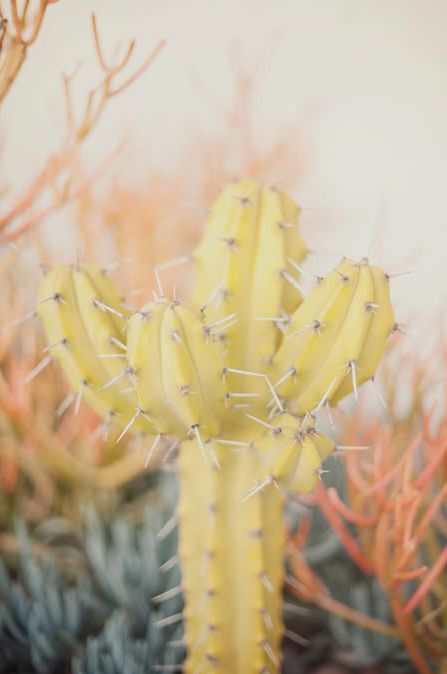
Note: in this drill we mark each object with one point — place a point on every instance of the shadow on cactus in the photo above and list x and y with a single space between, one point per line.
237 377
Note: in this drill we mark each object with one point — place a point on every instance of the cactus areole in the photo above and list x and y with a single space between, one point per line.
237 375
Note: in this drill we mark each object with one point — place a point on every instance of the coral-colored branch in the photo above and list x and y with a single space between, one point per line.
427 583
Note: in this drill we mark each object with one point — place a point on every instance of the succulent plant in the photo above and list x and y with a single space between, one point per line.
237 378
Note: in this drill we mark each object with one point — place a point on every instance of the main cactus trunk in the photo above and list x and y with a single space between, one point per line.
232 563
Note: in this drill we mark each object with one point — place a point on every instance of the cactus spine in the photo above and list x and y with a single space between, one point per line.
238 378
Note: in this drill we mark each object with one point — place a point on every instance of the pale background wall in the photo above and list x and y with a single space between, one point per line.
374 70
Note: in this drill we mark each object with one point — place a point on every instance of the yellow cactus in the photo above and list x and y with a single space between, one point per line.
237 376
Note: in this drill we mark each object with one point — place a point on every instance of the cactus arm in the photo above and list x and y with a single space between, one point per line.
382 321
78 332
179 369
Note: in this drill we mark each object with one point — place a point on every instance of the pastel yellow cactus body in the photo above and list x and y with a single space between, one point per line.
251 232
179 369
292 454
238 376
335 337
232 563
76 306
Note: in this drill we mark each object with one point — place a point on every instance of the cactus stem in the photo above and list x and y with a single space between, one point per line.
168 594
224 327
152 449
65 404
40 367
167 528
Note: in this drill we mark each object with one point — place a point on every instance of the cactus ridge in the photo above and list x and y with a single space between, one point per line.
238 376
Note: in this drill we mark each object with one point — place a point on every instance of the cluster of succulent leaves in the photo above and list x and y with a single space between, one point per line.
86 606
94 613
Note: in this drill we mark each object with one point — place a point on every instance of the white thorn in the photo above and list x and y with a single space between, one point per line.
173 446
213 455
379 395
65 404
174 262
116 342
111 355
220 321
129 424
325 396
292 371
79 395
293 282
27 317
235 443
356 448
152 449
168 594
195 430
169 620
352 366
298 639
211 297
265 580
259 487
273 319
269 651
167 528
38 368
261 422
302 271
169 564
329 414
160 290
105 307
315 325
242 395
115 379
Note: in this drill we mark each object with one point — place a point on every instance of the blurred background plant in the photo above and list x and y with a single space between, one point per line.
87 536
